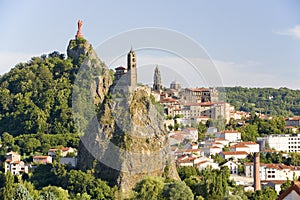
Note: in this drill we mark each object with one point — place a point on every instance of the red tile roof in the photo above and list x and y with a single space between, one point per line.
278 166
234 153
168 100
229 131
40 157
239 146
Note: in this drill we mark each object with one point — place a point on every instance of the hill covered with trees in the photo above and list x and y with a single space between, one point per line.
270 101
35 97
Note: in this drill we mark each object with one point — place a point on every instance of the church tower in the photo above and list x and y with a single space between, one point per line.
157 80
131 69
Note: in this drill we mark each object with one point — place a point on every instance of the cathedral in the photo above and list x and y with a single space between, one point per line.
157 86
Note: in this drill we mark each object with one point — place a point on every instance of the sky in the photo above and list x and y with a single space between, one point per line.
248 43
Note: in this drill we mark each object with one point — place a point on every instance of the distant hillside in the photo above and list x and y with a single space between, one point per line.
282 101
35 97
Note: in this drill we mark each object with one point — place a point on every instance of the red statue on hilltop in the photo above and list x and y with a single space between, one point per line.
78 35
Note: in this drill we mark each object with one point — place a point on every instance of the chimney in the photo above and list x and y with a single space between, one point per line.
256 171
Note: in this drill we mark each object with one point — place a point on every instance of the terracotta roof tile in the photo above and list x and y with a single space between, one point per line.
234 153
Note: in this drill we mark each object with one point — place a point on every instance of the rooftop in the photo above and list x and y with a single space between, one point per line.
234 153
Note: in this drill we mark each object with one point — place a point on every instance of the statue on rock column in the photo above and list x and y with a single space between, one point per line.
79 35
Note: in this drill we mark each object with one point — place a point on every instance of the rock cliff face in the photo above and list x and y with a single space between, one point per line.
99 77
125 139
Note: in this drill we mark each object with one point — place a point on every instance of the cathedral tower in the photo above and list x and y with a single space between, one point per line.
131 69
157 80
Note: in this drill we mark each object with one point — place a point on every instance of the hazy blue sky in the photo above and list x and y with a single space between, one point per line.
252 43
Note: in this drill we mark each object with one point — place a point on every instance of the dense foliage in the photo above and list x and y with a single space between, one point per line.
35 97
54 182
282 101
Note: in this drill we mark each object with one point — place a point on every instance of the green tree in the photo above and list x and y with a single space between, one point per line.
268 193
7 140
31 189
21 193
249 132
149 188
57 192
215 183
83 196
232 124
43 176
85 182
187 171
285 186
194 182
8 188
219 123
177 190
201 131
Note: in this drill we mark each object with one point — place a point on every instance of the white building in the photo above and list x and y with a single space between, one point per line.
232 166
234 154
192 134
188 161
211 150
14 165
207 163
249 147
249 170
230 135
273 172
284 142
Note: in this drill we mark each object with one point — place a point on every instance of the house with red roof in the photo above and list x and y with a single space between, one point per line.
42 159
249 147
230 135
14 165
234 154
207 163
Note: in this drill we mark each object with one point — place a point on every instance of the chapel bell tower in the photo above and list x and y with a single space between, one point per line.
131 68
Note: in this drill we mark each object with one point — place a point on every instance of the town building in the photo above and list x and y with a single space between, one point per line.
42 159
249 147
175 85
14 165
271 172
235 155
64 151
192 134
207 163
232 166
282 142
230 135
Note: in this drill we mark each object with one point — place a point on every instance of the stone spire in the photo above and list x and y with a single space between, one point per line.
157 80
79 34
